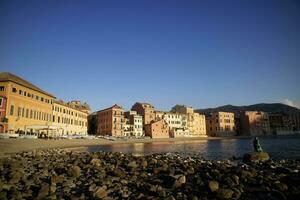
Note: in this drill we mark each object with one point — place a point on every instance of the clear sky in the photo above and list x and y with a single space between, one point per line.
197 53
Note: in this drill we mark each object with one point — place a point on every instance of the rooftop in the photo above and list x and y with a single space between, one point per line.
6 76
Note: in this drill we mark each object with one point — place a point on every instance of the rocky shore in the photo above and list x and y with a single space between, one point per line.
61 174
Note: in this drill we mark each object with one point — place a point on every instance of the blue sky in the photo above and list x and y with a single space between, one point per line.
197 53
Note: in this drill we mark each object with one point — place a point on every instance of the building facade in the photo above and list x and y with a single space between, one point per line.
146 110
27 106
196 124
255 123
134 123
177 123
157 129
3 117
111 121
68 119
220 124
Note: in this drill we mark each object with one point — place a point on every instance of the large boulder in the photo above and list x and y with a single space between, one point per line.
256 157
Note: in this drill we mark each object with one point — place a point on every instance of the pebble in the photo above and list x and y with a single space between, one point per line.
61 174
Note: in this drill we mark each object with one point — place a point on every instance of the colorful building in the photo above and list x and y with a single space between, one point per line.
134 124
220 124
177 123
111 121
157 129
255 123
196 124
28 107
69 119
146 110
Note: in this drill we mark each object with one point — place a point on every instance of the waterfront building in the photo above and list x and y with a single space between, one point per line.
134 123
146 110
28 108
111 121
220 124
3 117
177 123
196 124
255 123
284 124
157 129
69 119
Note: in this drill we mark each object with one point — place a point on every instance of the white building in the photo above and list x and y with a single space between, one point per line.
133 124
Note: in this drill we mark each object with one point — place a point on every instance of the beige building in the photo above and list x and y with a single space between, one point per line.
69 119
220 124
255 123
133 123
111 121
177 123
28 108
157 129
196 124
146 110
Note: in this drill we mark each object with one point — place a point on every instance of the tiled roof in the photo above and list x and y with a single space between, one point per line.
6 76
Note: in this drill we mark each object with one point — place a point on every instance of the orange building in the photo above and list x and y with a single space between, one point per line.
255 123
158 129
220 124
111 121
146 110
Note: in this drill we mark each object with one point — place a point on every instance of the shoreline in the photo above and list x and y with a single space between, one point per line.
11 146
63 174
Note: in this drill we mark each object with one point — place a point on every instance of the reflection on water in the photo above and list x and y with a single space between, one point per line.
279 147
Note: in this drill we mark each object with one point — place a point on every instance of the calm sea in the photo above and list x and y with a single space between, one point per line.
279 147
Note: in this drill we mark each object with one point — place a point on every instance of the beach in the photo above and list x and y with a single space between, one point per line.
9 146
64 174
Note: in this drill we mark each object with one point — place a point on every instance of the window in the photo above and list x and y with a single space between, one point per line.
53 119
28 95
58 119
27 113
1 100
42 98
11 110
20 92
31 114
19 111
23 112
1 88
14 90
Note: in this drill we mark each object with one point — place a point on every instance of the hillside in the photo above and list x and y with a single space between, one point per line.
264 107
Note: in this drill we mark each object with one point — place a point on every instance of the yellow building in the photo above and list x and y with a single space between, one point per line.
196 124
27 106
69 119
221 124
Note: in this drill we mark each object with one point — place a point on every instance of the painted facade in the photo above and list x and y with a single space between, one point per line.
146 110
255 123
220 124
134 123
68 119
111 121
157 129
27 105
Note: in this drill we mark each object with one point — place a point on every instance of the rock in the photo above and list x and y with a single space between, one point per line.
213 186
224 193
132 164
95 162
256 157
15 177
74 171
144 164
100 192
119 172
44 191
282 187
180 180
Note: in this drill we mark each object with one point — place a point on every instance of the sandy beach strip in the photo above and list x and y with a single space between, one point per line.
10 146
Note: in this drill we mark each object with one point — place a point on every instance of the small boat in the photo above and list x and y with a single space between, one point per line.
28 136
8 135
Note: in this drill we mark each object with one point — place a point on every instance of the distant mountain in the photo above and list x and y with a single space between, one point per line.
264 107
